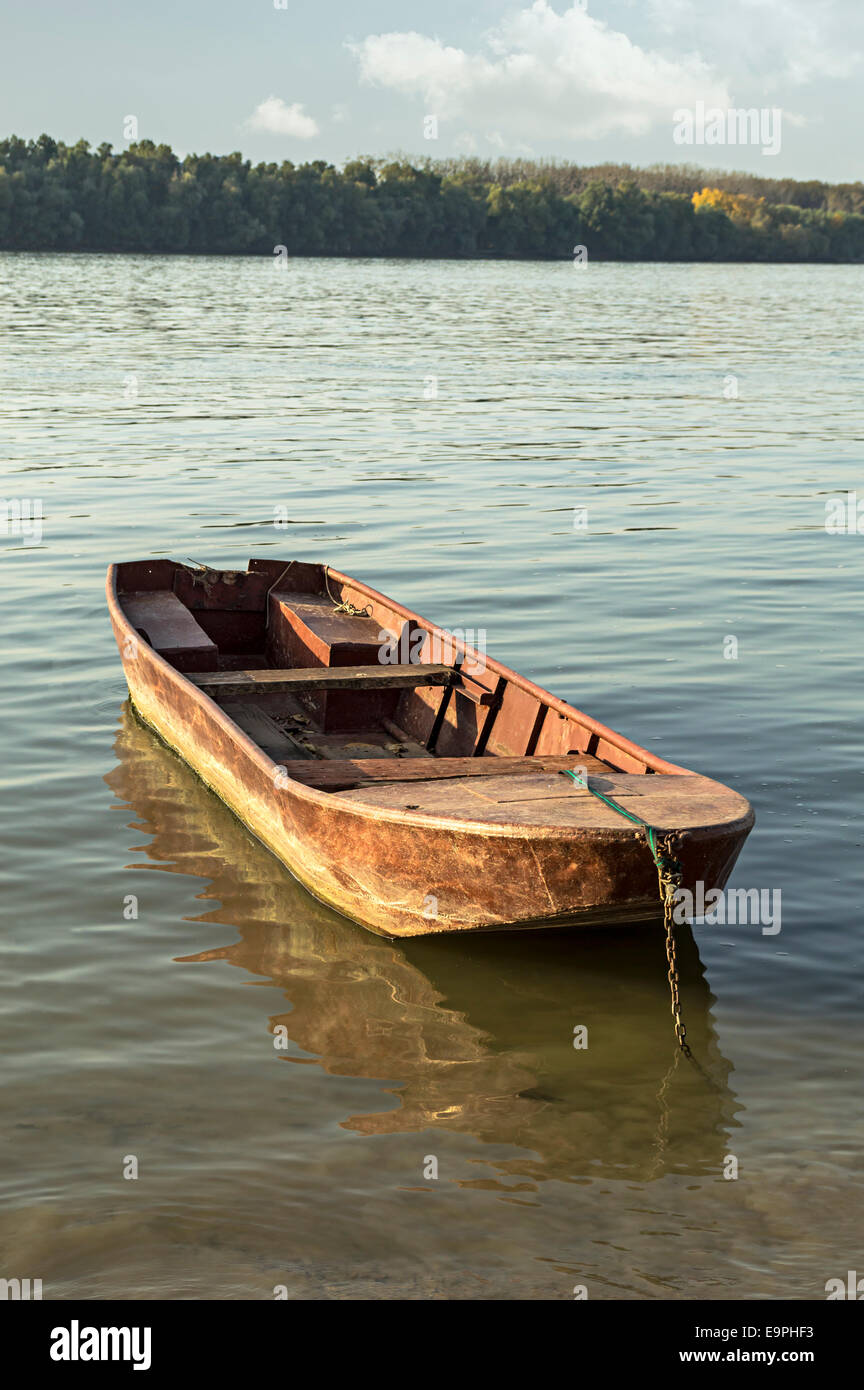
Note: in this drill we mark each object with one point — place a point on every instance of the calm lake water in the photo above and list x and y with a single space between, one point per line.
433 428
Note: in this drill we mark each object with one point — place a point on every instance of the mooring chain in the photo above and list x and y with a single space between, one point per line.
669 877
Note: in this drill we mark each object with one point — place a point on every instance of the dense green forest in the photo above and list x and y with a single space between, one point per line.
55 196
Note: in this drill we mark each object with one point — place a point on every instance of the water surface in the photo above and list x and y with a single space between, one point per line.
433 428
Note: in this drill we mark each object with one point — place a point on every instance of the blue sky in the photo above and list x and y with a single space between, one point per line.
538 78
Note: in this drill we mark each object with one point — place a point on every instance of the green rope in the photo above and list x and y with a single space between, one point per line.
664 863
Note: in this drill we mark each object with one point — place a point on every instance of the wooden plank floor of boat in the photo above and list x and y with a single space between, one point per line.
385 768
343 762
547 798
346 774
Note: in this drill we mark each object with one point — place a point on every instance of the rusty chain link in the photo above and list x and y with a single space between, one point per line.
669 878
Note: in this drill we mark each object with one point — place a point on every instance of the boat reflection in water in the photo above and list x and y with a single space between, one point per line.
472 1035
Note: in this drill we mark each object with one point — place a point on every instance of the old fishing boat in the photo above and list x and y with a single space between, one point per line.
462 1027
405 778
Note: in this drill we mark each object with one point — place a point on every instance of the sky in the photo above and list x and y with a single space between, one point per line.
590 82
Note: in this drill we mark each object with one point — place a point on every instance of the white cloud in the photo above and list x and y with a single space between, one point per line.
772 40
543 75
278 119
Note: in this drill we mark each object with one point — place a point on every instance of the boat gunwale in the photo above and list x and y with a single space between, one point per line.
396 816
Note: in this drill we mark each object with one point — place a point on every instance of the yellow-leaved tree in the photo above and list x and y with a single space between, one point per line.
739 206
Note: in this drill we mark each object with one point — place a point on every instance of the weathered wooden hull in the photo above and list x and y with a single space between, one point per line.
406 874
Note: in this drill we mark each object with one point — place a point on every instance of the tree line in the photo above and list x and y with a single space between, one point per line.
62 197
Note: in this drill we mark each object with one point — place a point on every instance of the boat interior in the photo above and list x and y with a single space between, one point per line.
344 690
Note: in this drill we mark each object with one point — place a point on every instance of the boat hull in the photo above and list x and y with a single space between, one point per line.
400 874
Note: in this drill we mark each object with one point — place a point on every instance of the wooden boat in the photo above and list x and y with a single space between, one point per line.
417 795
472 1026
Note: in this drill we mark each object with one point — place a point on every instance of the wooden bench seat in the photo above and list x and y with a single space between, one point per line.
313 630
170 628
309 630
320 678
360 772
